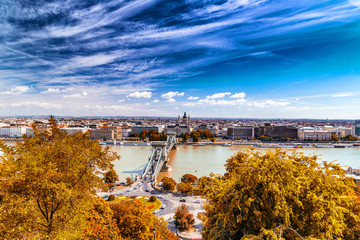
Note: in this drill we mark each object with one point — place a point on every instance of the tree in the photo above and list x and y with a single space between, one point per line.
100 222
152 131
284 194
129 181
195 137
46 183
350 138
152 199
335 137
135 221
169 183
185 188
111 176
183 218
204 185
143 134
189 178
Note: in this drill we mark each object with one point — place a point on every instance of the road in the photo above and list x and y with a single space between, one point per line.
171 201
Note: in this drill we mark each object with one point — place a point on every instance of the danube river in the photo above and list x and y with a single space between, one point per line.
202 160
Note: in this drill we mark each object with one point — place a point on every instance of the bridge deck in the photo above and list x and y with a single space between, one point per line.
159 156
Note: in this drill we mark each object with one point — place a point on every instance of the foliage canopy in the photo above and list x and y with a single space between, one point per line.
280 195
47 181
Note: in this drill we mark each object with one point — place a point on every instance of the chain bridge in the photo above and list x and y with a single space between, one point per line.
159 156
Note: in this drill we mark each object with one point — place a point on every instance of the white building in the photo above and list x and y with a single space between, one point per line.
314 134
126 132
15 132
5 132
75 130
178 129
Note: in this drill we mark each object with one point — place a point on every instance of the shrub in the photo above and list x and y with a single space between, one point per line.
111 198
152 199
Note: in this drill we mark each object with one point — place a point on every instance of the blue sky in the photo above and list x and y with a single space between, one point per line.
210 58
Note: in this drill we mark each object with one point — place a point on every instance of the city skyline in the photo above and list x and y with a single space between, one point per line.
231 59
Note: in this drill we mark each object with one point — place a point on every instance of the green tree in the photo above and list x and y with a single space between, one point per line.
111 176
46 183
169 183
288 194
183 218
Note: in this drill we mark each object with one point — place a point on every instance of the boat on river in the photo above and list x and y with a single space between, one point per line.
227 145
199 144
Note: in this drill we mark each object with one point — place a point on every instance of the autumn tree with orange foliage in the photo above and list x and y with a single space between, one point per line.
184 188
168 183
46 182
135 221
184 220
189 178
281 195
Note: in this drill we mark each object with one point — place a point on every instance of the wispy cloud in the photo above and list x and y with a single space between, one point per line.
342 95
138 49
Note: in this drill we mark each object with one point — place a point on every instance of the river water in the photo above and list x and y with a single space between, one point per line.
202 160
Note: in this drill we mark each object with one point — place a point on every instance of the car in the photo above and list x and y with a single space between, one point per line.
197 201
119 194
156 211
162 207
182 200
130 189
147 190
105 196
159 197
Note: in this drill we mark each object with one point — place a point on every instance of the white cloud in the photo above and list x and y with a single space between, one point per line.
17 90
171 100
342 95
192 98
268 103
189 104
238 95
121 100
138 94
36 104
218 95
156 100
222 102
52 90
172 94
90 61
76 95
147 104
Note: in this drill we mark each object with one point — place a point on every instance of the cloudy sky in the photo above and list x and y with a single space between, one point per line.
210 58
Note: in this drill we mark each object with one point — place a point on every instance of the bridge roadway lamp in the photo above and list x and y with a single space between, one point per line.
154 231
